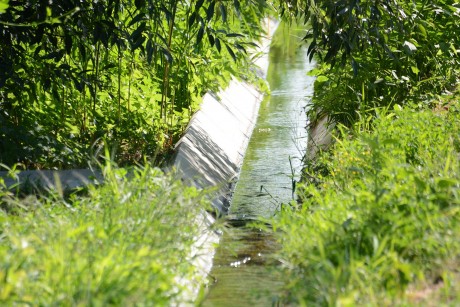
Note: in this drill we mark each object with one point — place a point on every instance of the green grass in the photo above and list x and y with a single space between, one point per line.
125 243
379 223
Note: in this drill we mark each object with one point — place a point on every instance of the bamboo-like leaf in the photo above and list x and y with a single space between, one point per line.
136 19
252 44
234 35
223 12
217 42
200 34
354 64
311 48
149 48
167 55
237 6
138 32
241 48
191 19
211 39
3 6
198 5
231 52
210 11
168 14
138 43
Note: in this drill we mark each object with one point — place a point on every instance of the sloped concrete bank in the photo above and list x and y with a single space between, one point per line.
53 180
211 153
319 137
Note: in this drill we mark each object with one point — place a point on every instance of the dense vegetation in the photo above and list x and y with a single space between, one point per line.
384 213
77 74
378 214
127 243
376 54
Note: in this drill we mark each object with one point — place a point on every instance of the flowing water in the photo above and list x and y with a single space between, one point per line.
243 272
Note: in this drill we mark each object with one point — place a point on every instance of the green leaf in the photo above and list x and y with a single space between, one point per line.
422 30
200 34
191 19
136 19
236 4
415 70
218 46
198 5
446 182
234 35
150 50
168 55
211 39
223 12
452 47
138 32
230 51
4 5
210 11
241 48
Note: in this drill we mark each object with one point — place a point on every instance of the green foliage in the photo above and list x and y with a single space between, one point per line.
378 53
384 212
126 243
130 72
3 5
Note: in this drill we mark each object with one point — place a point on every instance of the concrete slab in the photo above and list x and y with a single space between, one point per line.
319 137
52 179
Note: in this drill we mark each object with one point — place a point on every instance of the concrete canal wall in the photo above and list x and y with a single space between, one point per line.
319 137
211 152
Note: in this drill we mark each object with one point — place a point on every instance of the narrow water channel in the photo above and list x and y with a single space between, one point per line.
242 271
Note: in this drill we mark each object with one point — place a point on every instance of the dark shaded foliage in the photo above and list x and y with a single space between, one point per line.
122 70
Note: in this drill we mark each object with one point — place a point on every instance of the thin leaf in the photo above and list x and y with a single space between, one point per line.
241 48
223 12
211 39
210 11
138 32
150 50
191 19
234 35
355 66
236 4
230 51
137 18
168 55
252 44
218 46
200 34
198 5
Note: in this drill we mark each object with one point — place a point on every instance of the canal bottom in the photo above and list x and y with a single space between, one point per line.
242 263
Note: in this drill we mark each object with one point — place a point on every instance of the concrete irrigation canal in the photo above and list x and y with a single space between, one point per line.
237 137
242 273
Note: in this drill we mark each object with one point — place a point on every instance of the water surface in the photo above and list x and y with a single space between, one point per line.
243 271
273 158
